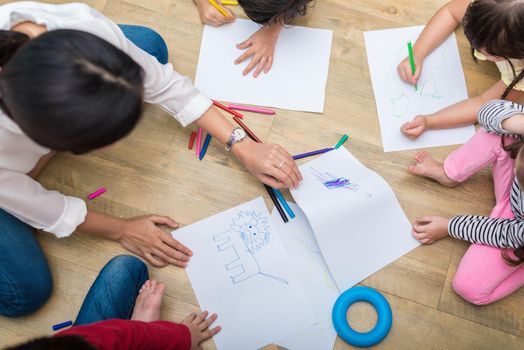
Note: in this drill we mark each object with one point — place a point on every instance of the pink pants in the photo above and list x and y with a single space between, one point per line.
483 276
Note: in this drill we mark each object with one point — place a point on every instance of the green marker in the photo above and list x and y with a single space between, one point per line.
341 142
412 60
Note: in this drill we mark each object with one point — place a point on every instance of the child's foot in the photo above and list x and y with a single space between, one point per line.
148 302
429 167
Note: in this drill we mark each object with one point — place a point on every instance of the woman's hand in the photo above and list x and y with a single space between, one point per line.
415 128
199 328
272 164
261 48
404 70
210 14
429 229
141 236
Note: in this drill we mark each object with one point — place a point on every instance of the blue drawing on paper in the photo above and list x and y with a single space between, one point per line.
332 182
248 234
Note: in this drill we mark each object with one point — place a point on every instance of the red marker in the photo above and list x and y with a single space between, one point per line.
191 140
229 110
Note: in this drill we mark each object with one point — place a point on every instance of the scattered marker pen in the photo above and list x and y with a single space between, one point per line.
204 147
341 142
59 326
97 193
251 109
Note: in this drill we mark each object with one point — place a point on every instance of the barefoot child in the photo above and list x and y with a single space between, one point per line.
492 267
272 14
493 28
122 311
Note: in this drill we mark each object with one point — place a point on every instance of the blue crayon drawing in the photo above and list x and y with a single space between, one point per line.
248 234
332 182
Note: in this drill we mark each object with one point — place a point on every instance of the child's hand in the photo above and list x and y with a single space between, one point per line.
261 48
142 236
429 229
404 70
199 328
210 15
415 128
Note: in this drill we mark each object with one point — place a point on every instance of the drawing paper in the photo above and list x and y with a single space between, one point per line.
296 81
320 288
440 85
357 219
241 271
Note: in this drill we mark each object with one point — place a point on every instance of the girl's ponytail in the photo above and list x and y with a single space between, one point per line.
10 42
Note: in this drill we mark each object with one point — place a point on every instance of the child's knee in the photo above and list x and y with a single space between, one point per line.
471 292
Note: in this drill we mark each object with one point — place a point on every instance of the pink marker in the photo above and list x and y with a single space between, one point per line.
97 193
252 109
199 142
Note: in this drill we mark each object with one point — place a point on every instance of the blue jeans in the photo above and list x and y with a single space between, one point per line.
114 291
25 279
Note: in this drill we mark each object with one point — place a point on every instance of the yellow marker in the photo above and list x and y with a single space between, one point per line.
230 2
217 6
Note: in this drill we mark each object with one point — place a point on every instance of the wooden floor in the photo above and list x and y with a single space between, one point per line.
153 172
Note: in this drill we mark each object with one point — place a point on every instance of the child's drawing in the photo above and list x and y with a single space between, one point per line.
249 233
332 182
400 105
429 88
426 89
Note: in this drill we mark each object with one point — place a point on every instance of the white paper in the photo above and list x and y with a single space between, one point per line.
320 288
358 222
296 81
241 271
440 85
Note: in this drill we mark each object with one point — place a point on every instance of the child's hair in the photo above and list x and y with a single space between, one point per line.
518 154
69 90
497 27
273 11
65 342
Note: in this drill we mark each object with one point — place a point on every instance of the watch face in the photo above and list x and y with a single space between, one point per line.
239 133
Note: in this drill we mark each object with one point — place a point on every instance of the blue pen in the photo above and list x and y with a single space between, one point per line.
204 147
284 203
59 326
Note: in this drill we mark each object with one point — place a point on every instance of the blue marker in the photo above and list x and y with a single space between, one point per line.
284 203
59 326
204 147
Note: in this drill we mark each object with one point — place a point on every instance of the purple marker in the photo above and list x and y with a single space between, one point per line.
312 153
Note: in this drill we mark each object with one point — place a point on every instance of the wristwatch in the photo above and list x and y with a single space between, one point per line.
237 135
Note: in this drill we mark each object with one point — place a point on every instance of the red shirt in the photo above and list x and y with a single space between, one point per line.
133 335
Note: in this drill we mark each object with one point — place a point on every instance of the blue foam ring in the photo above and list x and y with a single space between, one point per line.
371 296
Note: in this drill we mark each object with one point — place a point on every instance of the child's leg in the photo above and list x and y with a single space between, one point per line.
483 276
148 40
114 291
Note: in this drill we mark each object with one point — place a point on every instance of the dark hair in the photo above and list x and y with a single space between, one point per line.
69 90
497 27
273 11
65 342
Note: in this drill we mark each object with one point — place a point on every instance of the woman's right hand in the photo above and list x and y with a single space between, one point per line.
404 70
415 128
141 236
210 15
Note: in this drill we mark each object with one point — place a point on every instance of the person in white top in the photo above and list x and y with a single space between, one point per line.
72 80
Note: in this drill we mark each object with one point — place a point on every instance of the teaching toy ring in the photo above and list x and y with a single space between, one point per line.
384 316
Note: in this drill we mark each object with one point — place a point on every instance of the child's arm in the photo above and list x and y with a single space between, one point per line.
212 16
261 48
502 117
459 114
439 27
500 233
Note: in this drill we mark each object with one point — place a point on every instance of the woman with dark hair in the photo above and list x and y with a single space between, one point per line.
494 29
72 80
271 14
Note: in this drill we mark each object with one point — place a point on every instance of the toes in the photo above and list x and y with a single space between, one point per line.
415 170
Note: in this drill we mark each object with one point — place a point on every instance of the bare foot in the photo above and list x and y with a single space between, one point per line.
148 302
429 167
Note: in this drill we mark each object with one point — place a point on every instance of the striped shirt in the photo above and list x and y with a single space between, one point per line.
495 232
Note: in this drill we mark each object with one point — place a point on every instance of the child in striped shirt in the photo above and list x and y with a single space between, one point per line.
492 267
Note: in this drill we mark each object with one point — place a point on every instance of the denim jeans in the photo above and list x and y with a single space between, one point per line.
25 279
114 291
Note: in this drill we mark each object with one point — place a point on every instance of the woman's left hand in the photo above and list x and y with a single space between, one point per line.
261 48
272 164
429 229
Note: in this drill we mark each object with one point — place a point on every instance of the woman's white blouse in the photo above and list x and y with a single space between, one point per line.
25 198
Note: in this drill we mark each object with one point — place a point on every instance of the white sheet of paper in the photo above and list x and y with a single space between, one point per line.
296 81
441 84
241 271
320 288
357 219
